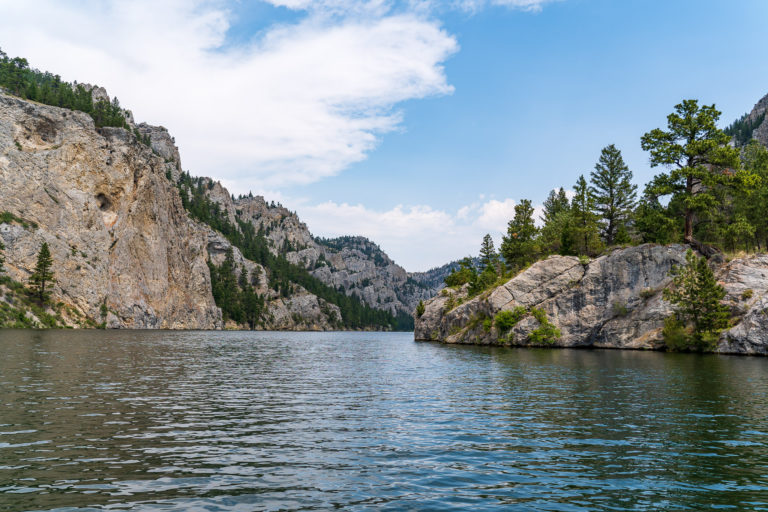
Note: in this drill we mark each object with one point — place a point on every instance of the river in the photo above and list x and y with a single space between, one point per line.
178 421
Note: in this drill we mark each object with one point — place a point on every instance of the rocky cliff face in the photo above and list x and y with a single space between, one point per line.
115 225
758 120
354 264
613 302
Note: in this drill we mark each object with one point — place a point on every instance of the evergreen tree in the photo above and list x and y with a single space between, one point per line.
519 247
752 204
655 224
557 220
613 192
2 257
697 295
583 235
420 308
466 273
555 204
42 274
700 157
488 256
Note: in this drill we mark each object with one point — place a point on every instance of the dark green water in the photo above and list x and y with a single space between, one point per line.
368 421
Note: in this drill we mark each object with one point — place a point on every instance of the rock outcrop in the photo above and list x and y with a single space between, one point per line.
614 301
116 228
757 118
352 263
128 255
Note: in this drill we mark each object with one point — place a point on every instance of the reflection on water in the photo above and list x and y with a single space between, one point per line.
266 421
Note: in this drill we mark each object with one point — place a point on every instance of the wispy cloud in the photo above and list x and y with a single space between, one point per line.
301 103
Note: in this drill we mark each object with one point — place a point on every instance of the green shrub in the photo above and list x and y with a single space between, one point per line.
675 335
487 324
584 260
506 320
647 293
545 334
747 294
620 309
420 309
540 315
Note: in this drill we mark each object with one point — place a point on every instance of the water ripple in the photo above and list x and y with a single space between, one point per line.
179 421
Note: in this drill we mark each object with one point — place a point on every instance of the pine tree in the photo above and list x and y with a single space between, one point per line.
613 192
700 157
420 308
583 234
488 256
2 257
42 274
555 204
519 247
753 203
697 296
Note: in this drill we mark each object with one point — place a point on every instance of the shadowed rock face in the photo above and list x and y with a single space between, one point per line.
115 225
612 302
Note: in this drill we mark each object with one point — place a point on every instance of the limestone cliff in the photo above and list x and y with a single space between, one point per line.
117 230
613 301
752 125
352 263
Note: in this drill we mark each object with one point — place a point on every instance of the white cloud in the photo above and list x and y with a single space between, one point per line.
416 237
494 215
301 103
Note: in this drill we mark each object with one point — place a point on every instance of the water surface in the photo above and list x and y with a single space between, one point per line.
183 421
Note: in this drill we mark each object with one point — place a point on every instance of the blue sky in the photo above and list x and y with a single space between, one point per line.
416 123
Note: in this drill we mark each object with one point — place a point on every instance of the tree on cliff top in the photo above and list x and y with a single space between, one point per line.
700 159
520 247
584 237
614 193
42 274
489 258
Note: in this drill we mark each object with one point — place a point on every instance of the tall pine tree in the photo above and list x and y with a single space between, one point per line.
488 256
555 204
614 194
42 274
700 158
520 247
584 238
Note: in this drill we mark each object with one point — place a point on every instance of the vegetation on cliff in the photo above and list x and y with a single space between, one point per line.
282 275
700 316
20 80
712 195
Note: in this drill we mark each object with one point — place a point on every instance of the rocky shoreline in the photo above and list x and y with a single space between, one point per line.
613 301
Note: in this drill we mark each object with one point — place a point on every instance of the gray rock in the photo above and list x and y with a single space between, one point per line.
116 228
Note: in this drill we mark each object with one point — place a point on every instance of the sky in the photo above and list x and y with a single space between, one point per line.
417 123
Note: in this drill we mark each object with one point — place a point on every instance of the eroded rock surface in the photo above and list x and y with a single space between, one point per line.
114 223
614 301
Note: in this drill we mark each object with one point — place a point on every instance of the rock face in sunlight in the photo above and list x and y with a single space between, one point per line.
351 263
614 301
758 113
127 254
115 225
